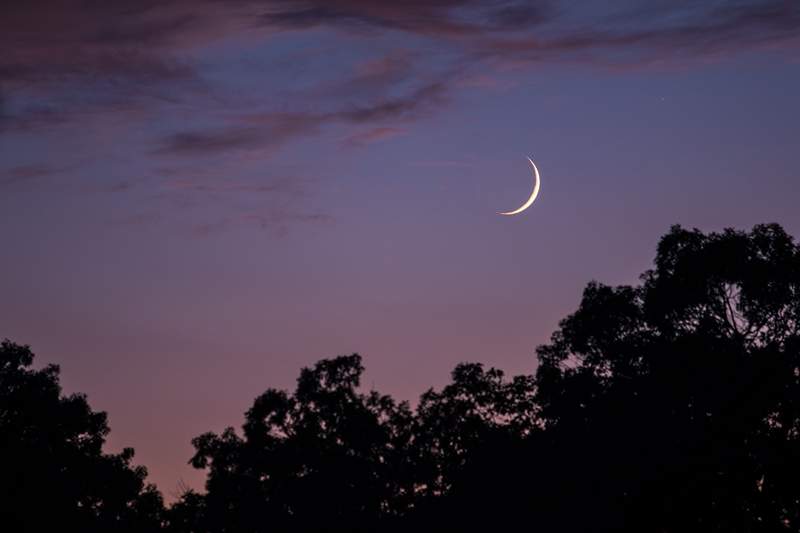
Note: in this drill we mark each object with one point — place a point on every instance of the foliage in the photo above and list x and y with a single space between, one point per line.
669 406
54 474
686 389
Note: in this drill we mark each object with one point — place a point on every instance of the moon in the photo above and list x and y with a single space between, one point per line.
534 194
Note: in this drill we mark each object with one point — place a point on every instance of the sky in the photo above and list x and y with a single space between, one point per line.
199 198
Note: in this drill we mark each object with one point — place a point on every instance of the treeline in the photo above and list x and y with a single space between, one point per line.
669 406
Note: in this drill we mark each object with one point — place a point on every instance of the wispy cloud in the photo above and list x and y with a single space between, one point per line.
372 136
234 192
31 172
59 41
686 33
25 172
157 68
432 17
276 221
193 185
443 163
116 53
136 41
206 143
267 130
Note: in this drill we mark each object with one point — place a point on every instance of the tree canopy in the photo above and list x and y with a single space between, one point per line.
668 406
686 387
54 475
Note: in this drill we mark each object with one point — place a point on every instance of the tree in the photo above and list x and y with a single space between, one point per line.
53 472
675 405
187 514
325 457
669 406
466 443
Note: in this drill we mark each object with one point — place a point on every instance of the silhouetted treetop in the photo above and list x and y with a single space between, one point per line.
325 455
53 472
668 406
730 284
686 386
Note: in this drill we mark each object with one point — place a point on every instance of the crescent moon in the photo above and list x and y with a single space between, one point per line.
534 194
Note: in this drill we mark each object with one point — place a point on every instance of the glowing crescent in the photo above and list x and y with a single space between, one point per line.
534 194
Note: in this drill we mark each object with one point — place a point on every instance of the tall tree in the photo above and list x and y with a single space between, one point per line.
669 406
467 442
675 405
54 475
325 457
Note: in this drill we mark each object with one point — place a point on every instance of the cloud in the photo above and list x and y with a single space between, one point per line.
372 136
23 173
63 58
192 143
280 221
57 41
267 130
62 42
257 131
229 177
442 164
237 191
680 33
409 106
372 76
32 172
156 69
513 29
276 221
485 82
193 185
430 17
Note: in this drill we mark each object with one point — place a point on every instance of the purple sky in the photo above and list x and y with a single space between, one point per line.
199 198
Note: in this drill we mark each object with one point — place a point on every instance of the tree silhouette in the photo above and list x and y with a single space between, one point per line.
464 437
53 473
674 405
325 457
670 406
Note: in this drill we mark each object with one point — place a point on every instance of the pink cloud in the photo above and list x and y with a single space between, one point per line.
372 136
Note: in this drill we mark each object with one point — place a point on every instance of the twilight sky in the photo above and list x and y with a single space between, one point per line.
199 198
